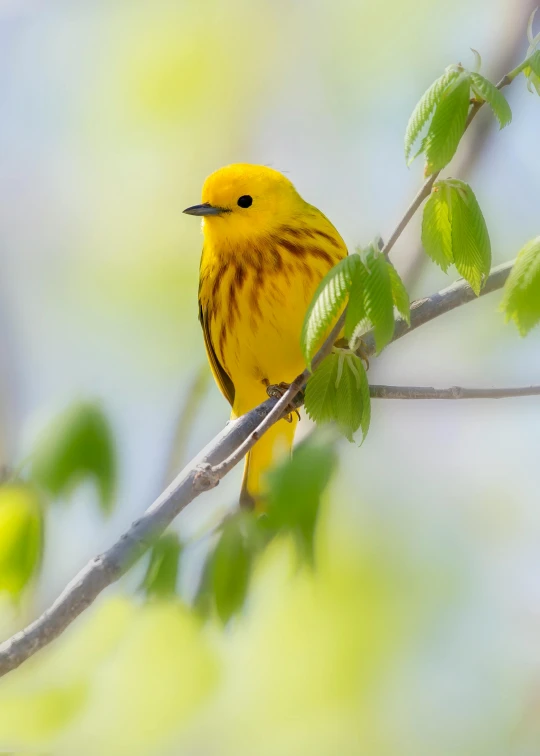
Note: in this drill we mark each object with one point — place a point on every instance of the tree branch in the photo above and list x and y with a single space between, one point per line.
202 474
454 392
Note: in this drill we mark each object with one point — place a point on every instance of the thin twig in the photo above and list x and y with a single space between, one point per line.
202 474
454 392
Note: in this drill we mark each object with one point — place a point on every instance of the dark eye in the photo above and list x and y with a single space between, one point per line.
245 201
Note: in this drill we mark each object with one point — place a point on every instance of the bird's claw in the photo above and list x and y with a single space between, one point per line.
276 391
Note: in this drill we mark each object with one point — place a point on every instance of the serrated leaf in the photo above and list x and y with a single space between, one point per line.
471 246
497 101
454 230
21 537
521 301
378 299
338 391
437 228
162 572
356 311
77 445
400 296
447 126
353 401
326 305
348 399
424 109
295 489
319 399
231 568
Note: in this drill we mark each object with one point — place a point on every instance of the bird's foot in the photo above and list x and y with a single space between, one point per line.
276 391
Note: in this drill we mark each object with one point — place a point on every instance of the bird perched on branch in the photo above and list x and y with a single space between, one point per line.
265 251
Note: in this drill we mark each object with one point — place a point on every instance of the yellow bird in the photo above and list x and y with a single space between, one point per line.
265 251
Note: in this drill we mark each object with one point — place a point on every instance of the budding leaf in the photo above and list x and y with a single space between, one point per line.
356 309
77 445
437 228
521 301
454 230
320 393
487 91
21 537
532 72
447 126
295 490
326 304
399 294
162 572
471 246
378 297
534 63
422 112
338 391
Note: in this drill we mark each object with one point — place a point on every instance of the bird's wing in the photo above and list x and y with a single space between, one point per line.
222 379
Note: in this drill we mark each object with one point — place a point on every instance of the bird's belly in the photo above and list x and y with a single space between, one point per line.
263 344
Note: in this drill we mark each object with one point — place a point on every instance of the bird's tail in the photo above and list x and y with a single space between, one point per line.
275 443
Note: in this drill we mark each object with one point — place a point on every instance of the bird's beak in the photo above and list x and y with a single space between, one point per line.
205 209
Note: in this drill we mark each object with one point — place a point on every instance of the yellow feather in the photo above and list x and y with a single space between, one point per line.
262 260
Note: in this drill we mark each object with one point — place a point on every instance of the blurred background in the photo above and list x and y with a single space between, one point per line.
113 114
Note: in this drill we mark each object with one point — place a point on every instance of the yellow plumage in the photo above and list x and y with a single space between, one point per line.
265 251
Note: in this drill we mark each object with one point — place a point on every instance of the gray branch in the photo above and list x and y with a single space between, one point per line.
454 392
202 474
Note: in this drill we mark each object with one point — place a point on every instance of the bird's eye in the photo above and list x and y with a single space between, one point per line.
245 201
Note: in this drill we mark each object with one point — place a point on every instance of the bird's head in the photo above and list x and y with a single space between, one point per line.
244 201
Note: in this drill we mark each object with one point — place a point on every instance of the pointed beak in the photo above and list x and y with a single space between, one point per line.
204 209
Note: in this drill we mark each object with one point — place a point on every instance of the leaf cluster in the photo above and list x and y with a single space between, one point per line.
439 120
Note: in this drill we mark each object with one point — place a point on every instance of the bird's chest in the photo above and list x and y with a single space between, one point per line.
255 318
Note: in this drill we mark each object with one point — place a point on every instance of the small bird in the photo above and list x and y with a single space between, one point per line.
265 251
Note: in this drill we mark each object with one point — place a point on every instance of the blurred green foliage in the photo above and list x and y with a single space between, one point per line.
21 536
77 445
162 571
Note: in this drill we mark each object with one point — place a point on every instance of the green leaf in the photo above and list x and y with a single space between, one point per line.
356 310
437 227
76 446
424 109
399 294
21 536
338 391
454 230
231 564
521 301
319 399
447 126
534 63
532 72
347 403
378 297
162 572
326 305
487 91
295 490
471 246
